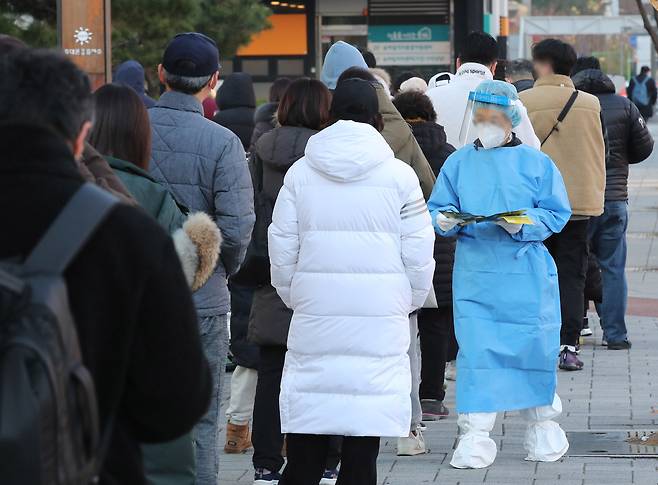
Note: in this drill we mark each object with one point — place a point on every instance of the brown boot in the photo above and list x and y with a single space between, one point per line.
238 438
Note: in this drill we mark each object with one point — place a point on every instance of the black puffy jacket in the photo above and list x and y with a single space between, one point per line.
236 104
433 142
263 121
245 353
273 154
629 140
523 84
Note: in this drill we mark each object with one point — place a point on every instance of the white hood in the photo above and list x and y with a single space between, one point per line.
346 151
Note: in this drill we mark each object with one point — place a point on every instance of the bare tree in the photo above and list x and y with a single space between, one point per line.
651 29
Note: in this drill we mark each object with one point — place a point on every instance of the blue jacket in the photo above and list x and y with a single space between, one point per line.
204 166
505 287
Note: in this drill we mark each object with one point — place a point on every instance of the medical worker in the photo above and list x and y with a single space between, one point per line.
506 299
477 62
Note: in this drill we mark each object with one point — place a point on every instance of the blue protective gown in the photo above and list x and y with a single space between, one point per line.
505 287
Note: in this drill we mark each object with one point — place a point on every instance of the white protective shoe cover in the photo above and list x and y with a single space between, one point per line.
544 440
475 449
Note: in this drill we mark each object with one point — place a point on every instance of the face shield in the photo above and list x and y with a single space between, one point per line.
483 108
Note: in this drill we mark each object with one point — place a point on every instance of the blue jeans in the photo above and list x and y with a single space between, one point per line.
608 243
214 338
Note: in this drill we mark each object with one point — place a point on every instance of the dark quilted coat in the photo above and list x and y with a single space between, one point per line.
629 140
432 140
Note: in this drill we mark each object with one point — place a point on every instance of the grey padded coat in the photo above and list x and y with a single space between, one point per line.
204 166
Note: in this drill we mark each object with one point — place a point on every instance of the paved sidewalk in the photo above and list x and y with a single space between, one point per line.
617 391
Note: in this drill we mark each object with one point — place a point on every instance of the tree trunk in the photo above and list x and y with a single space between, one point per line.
651 29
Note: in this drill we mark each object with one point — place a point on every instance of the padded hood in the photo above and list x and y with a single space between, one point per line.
593 81
283 146
131 73
340 57
237 91
346 151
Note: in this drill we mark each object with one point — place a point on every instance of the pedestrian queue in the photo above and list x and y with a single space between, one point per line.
362 238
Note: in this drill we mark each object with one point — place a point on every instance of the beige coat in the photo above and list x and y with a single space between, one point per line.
400 138
577 147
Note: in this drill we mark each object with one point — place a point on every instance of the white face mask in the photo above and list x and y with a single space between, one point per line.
491 135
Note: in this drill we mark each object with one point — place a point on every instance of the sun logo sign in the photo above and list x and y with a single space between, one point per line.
82 36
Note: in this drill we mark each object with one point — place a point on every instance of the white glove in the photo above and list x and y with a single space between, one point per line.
510 228
446 223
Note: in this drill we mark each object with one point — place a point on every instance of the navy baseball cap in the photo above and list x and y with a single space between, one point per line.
191 55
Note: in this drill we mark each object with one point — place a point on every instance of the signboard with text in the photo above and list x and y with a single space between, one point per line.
84 35
410 45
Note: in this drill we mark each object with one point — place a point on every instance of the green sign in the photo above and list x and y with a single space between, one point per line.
410 45
408 33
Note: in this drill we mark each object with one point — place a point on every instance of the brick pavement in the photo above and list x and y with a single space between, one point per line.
618 390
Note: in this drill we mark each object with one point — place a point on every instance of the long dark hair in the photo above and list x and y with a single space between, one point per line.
121 128
305 103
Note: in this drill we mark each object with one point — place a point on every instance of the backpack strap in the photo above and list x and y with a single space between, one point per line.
69 232
563 114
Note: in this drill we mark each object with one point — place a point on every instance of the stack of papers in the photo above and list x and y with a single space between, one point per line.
513 217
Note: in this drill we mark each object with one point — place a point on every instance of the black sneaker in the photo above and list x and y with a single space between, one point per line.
263 476
433 409
586 331
231 363
623 345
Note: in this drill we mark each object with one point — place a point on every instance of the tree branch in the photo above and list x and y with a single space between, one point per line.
651 30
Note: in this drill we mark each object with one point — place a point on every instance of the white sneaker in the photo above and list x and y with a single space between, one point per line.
451 371
412 445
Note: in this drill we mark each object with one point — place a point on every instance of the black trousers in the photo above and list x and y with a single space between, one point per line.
307 455
437 330
266 434
569 250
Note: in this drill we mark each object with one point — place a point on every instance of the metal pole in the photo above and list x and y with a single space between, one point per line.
503 29
522 39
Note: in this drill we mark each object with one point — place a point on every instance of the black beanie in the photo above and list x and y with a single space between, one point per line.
354 99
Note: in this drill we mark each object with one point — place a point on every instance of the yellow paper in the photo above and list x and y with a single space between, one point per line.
518 220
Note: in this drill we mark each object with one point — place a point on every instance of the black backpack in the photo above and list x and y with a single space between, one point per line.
49 427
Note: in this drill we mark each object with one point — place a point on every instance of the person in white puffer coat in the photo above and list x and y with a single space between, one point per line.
350 246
